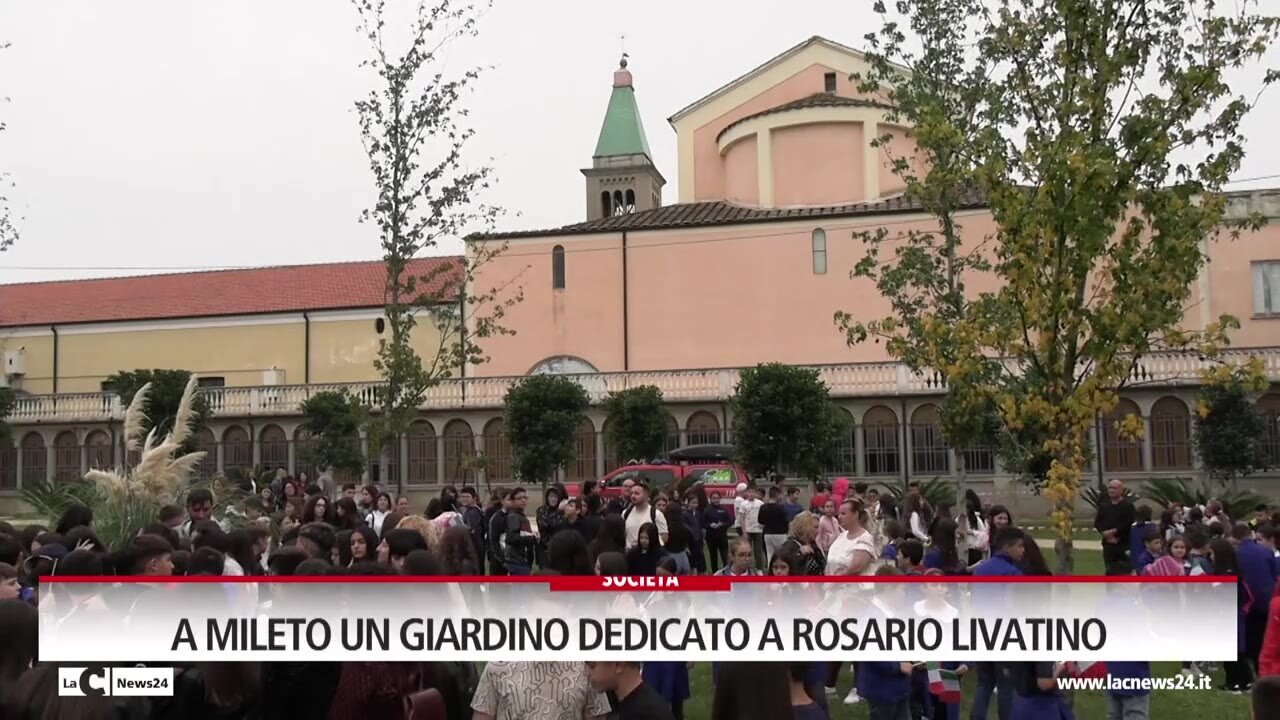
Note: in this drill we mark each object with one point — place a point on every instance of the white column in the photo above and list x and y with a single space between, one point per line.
439 460
600 459
50 462
859 452
1146 445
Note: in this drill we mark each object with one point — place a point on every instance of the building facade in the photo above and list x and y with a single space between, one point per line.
776 173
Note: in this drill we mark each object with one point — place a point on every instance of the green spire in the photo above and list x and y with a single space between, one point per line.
622 132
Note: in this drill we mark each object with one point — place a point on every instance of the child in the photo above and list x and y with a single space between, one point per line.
911 557
1138 533
1154 547
892 530
1198 562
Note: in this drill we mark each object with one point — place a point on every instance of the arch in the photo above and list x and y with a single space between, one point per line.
606 204
880 453
459 449
497 452
1120 454
702 428
564 365
35 460
557 267
1269 406
98 450
66 457
929 454
302 445
423 459
237 449
583 466
274 449
673 433
845 461
619 204
630 201
819 246
1170 435
207 444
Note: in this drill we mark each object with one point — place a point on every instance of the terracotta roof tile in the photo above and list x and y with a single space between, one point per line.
332 286
719 212
812 101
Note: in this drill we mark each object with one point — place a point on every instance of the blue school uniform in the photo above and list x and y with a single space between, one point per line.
1142 560
668 678
1031 703
1136 534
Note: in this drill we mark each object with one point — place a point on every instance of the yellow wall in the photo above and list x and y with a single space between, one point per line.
236 349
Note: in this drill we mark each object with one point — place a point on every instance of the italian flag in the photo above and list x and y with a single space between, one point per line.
943 683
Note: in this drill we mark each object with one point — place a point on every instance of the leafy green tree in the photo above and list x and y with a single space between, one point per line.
1106 131
542 414
333 420
637 422
163 401
1229 428
783 417
923 272
413 127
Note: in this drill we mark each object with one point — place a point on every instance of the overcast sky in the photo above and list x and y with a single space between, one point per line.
172 134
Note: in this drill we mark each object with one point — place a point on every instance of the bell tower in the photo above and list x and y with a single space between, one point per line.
622 178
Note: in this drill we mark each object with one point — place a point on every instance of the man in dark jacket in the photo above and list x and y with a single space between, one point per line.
1113 522
497 531
519 540
473 517
1258 571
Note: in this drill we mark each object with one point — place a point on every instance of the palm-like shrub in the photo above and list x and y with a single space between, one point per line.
127 499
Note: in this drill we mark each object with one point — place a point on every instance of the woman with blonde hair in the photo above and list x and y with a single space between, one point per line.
801 542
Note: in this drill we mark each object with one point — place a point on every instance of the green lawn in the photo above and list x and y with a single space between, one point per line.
1165 705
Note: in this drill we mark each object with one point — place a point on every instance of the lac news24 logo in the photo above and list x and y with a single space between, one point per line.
97 681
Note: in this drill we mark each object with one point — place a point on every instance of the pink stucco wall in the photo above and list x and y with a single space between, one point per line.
1231 284
583 320
900 145
709 177
698 298
743 295
818 165
742 182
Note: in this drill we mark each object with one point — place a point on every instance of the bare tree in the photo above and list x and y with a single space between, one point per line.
413 126
8 224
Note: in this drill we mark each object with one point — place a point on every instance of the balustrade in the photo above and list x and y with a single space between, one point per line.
710 385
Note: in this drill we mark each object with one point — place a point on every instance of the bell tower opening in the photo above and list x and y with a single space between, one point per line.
622 178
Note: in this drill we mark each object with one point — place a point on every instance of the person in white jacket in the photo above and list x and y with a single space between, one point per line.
919 517
381 509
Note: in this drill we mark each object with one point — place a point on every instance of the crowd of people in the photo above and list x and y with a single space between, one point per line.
294 527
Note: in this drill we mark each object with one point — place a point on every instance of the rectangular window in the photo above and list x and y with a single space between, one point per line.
211 382
1266 287
829 82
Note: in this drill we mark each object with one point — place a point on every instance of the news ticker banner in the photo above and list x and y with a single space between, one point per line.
106 620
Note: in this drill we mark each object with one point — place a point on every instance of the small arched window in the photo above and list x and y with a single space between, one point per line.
619 204
631 201
606 205
819 252
557 267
